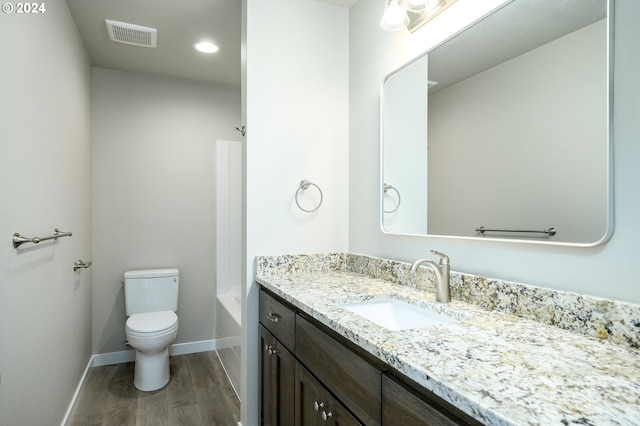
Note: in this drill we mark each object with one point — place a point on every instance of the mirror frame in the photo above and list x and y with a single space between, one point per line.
609 143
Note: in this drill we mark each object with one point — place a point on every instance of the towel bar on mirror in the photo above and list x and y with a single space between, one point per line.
550 231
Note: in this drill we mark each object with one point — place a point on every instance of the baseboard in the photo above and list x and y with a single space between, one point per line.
175 349
194 347
111 358
120 357
72 406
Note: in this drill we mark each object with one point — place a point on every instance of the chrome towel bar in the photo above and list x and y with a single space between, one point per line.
18 239
550 231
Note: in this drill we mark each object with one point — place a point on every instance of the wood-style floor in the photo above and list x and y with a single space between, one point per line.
199 393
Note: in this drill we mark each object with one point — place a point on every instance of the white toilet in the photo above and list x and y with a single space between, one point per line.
151 302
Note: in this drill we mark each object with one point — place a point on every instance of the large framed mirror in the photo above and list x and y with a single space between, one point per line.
503 131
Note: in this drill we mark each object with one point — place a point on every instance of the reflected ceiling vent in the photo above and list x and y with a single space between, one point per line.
136 35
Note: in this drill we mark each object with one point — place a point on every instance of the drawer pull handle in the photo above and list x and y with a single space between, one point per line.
273 317
318 405
326 415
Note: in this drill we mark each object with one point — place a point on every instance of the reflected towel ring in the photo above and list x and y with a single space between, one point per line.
387 187
304 185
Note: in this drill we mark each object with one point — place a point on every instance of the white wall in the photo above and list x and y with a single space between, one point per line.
45 182
606 270
154 147
297 115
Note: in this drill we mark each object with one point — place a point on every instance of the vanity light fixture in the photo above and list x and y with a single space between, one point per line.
394 16
205 47
411 14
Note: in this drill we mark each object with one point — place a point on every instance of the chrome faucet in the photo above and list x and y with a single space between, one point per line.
441 269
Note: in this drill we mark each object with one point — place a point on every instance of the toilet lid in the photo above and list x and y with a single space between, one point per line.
150 322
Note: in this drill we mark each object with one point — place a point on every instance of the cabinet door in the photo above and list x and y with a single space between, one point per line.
310 398
348 376
316 406
277 371
339 415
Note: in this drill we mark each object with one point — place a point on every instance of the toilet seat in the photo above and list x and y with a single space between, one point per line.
150 324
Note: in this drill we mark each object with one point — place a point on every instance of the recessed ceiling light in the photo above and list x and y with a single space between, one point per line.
206 47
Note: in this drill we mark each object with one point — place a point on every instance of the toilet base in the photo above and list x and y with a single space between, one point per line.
152 370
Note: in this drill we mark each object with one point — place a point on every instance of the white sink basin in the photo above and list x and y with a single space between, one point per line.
397 315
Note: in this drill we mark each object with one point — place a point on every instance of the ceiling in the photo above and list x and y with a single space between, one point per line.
180 24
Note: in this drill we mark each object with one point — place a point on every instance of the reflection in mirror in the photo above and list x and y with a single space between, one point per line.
514 132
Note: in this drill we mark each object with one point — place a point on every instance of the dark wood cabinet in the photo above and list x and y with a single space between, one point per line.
402 405
277 371
349 377
316 406
310 375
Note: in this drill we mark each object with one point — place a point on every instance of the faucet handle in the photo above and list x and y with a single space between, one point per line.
444 259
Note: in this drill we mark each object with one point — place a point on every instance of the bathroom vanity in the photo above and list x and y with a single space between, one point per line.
318 376
322 363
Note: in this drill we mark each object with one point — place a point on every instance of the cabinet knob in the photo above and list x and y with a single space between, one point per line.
326 415
318 405
270 349
273 317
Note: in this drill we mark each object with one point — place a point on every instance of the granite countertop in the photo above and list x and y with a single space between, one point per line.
496 367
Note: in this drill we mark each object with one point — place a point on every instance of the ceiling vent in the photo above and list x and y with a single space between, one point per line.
136 35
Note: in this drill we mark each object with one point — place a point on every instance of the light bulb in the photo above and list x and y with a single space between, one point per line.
394 17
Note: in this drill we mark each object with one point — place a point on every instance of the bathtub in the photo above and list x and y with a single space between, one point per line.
228 330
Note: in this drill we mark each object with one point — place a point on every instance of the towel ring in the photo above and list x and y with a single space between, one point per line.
387 187
304 185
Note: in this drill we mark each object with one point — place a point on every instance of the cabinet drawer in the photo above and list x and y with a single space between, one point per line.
278 319
402 406
354 381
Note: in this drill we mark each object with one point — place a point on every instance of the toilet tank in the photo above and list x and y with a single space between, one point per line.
151 290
